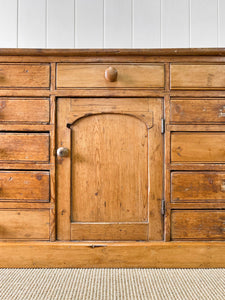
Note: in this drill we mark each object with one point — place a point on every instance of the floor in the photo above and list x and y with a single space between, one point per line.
110 284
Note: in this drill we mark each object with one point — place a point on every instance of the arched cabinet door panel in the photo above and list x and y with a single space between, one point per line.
109 170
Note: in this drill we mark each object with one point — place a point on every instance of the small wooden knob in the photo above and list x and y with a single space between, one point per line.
111 74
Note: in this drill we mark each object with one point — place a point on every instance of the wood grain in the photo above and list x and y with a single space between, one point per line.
24 186
187 76
72 82
108 104
197 111
166 166
63 165
198 186
113 147
24 75
24 224
92 75
24 110
112 255
198 225
155 171
25 205
198 147
103 135
24 147
190 52
109 232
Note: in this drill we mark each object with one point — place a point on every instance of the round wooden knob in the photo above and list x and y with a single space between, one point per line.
111 74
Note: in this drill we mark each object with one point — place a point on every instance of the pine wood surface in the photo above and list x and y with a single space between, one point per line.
197 147
92 75
24 75
109 231
24 147
24 224
27 186
112 255
198 186
199 111
110 143
197 76
198 225
120 166
18 110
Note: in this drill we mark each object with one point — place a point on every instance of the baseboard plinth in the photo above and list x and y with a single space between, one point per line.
112 255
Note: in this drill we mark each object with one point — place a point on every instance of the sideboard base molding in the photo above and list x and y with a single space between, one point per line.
112 255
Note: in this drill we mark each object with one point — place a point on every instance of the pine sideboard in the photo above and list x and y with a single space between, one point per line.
112 158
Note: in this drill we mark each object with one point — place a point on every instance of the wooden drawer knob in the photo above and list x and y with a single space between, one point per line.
111 74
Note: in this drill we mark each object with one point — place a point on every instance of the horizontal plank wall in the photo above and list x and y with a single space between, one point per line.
112 23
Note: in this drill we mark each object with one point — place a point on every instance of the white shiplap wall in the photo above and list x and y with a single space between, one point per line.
112 23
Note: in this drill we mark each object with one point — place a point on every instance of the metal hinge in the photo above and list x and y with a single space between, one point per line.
162 125
163 207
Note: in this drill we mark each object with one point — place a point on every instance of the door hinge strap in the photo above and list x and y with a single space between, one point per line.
162 125
163 207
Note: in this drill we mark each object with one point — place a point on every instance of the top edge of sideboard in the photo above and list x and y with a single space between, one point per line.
114 52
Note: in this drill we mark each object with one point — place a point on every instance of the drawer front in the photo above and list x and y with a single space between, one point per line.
24 186
198 147
198 225
24 224
24 75
24 110
189 111
93 75
198 187
185 76
24 147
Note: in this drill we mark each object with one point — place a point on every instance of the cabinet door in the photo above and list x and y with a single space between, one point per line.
109 169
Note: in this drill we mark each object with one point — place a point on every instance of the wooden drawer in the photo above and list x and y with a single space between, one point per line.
198 187
24 75
198 111
196 76
24 186
24 224
24 147
198 225
198 147
93 75
33 110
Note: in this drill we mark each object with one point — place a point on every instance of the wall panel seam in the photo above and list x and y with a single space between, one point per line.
132 23
17 25
218 23
46 23
74 22
190 22
103 24
161 23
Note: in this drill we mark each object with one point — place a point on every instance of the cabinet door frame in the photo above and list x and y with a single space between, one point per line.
152 119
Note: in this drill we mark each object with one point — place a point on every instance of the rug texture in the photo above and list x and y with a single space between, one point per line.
110 284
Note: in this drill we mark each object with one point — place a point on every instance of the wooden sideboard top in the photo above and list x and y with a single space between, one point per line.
114 52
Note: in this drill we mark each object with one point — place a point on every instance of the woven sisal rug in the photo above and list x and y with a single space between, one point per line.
110 284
